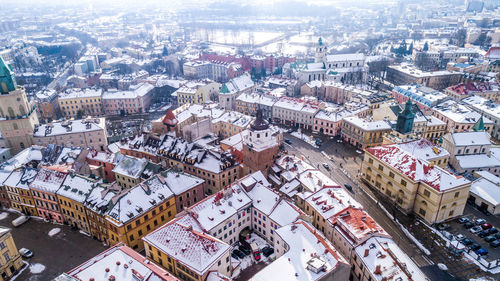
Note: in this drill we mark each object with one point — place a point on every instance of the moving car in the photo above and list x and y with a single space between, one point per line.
348 186
326 166
20 220
288 141
25 253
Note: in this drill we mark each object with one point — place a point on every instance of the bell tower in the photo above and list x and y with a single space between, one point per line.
18 117
320 55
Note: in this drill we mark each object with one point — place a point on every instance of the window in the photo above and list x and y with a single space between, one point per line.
427 193
2 245
403 182
391 174
422 212
457 194
6 257
380 167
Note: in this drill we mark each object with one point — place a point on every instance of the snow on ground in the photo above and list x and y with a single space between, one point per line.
84 233
259 241
37 268
54 231
3 215
310 140
483 279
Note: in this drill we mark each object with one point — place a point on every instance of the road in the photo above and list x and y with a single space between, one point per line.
339 151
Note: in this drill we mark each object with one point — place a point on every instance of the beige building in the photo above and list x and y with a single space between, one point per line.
414 184
362 133
10 260
405 74
85 133
17 116
197 92
231 123
79 103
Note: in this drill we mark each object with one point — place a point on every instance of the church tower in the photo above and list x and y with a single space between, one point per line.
17 117
260 147
404 124
320 55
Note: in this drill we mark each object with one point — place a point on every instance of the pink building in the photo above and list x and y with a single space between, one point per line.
136 100
43 189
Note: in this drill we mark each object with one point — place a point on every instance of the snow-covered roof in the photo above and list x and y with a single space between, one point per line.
471 138
421 94
137 201
459 113
487 188
483 105
21 178
262 99
290 188
235 118
331 200
314 180
194 249
423 149
80 93
237 84
291 166
356 224
263 198
123 263
70 127
33 153
307 247
416 169
478 161
130 166
387 261
177 182
367 125
76 187
98 200
48 180
285 213
345 57
137 91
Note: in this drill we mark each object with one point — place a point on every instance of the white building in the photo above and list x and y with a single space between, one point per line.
485 192
233 88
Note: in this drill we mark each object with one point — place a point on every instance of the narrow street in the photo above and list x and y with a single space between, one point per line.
346 156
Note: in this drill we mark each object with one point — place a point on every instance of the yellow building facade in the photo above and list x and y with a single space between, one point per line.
10 259
433 193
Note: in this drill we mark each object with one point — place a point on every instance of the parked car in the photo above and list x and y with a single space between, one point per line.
482 251
267 251
480 221
348 186
468 225
490 238
483 233
234 256
497 235
493 230
443 226
474 246
476 229
25 253
463 220
239 253
495 243
460 237
318 142
486 226
255 251
326 166
245 250
20 220
467 241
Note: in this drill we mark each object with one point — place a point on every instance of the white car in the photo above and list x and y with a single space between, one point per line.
25 253
475 229
460 237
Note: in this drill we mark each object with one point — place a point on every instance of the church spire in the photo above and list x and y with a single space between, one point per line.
479 125
7 80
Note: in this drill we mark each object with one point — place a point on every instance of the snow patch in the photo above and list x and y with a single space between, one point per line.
20 271
84 233
54 231
305 138
419 245
37 268
3 215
